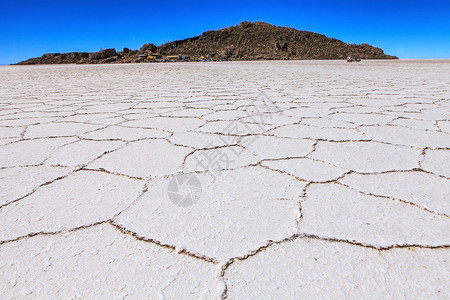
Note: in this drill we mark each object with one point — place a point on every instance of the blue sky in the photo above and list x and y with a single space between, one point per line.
408 29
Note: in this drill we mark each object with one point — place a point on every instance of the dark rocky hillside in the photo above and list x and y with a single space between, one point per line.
246 41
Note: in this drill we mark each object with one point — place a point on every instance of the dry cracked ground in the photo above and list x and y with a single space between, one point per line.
225 180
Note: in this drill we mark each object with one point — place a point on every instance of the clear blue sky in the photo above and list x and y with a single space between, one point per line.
408 29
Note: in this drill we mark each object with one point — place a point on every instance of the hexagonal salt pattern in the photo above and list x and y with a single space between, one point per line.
428 191
437 162
367 157
80 199
371 220
104 263
144 159
237 211
313 179
18 182
312 268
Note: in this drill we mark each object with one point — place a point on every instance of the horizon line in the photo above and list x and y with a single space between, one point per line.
373 59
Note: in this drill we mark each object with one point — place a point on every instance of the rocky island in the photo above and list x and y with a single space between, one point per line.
246 41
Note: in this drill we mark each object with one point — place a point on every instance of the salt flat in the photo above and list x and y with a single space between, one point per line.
289 179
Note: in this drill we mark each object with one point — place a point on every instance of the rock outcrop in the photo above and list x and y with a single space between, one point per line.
246 41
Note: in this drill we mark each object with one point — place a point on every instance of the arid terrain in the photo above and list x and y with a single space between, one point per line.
246 41
268 179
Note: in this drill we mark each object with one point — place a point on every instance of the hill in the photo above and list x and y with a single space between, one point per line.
246 41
